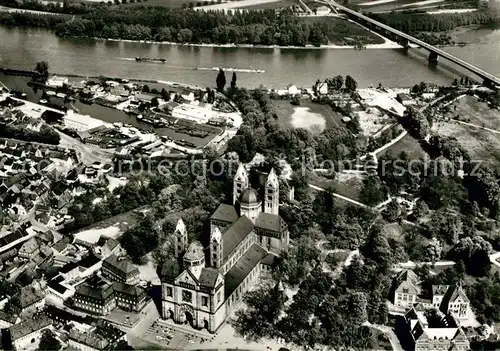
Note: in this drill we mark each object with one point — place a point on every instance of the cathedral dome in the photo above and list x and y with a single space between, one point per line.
249 197
194 252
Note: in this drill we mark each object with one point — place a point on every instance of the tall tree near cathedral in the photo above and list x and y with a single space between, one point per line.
233 81
221 80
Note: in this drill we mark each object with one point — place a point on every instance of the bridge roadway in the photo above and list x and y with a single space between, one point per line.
432 49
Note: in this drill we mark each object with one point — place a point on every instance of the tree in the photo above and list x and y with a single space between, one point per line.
393 211
48 341
145 89
350 84
221 80
295 100
154 102
335 83
373 191
42 69
233 81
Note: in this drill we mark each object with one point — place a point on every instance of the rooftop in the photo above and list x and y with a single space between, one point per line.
29 295
235 234
121 264
29 326
225 213
235 276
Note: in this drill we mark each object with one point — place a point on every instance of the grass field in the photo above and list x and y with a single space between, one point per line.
482 145
285 111
408 144
346 186
478 112
343 32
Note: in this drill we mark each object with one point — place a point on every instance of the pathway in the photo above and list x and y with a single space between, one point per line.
494 259
357 203
478 126
389 332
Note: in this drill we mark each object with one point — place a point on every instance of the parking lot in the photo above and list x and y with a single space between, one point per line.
162 334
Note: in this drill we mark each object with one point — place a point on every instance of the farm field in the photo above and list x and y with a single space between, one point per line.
162 3
270 5
309 115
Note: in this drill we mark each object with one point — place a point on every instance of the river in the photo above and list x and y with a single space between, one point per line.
22 48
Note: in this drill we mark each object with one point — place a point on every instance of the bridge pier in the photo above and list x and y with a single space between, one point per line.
433 57
404 43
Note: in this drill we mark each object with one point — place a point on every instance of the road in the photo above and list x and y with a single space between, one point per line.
87 154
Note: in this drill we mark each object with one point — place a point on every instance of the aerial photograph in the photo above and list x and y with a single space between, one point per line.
251 175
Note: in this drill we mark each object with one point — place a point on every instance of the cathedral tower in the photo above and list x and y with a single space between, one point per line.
272 194
240 182
180 237
216 248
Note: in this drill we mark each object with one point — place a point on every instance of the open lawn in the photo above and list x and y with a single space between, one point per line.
480 113
408 144
482 145
344 32
309 115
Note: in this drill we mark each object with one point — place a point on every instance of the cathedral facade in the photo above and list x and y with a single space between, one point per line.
203 285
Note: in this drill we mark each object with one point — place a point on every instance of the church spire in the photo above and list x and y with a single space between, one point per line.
240 182
272 193
181 238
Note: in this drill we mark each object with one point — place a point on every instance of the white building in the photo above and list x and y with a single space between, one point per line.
323 88
80 122
192 113
57 82
405 99
323 11
59 290
292 89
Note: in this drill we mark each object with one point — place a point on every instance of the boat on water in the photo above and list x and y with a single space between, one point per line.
148 59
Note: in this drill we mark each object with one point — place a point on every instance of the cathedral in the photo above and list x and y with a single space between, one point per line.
202 286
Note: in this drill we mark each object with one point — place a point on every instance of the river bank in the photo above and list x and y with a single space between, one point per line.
387 45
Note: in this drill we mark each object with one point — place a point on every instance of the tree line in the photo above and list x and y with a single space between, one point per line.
258 27
412 22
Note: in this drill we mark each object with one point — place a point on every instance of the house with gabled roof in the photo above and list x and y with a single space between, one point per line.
406 293
405 288
120 269
28 332
29 249
433 330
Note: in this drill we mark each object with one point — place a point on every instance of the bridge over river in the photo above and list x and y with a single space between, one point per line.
404 39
